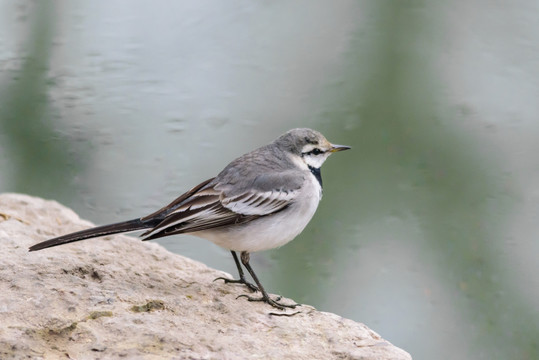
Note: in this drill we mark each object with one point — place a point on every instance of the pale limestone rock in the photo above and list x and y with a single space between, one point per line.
118 297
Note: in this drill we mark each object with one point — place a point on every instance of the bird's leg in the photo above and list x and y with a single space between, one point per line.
242 279
265 297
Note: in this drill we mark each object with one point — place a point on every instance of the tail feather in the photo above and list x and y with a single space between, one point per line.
121 227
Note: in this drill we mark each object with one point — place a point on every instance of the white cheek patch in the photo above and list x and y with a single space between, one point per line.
315 161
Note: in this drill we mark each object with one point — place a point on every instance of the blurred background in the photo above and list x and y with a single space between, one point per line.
428 229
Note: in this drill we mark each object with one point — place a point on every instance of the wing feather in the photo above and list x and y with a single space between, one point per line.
259 203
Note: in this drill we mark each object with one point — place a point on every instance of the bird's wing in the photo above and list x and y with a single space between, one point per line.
214 204
259 203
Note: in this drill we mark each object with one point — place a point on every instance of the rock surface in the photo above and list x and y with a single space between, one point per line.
119 297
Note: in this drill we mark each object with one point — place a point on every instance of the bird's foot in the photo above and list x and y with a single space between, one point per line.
251 287
275 303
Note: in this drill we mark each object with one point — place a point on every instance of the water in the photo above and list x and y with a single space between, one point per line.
428 225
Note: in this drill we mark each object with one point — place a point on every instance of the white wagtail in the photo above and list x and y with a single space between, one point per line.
260 201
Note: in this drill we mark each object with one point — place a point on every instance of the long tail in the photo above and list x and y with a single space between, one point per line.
121 227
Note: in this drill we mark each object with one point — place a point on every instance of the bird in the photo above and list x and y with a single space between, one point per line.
260 201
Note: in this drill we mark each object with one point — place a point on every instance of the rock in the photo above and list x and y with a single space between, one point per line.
119 297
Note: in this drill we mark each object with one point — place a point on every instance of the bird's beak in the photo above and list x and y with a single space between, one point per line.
335 148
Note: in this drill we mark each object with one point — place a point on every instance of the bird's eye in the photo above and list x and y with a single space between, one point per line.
315 151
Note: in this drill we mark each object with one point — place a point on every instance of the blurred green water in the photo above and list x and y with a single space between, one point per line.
412 167
42 156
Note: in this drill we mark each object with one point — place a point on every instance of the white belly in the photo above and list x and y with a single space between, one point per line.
269 231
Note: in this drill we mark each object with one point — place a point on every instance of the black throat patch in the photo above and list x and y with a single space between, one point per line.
317 174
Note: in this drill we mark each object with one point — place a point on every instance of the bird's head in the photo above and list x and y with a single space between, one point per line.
309 145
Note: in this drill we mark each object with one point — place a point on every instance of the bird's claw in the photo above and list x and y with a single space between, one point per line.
251 287
270 301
